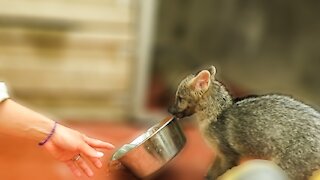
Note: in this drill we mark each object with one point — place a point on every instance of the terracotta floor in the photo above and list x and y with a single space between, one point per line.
21 159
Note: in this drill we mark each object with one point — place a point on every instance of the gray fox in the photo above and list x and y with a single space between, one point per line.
271 127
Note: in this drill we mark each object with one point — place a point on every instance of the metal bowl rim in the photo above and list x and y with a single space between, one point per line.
165 123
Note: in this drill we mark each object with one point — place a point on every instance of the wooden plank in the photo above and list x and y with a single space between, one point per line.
72 38
93 106
65 11
85 113
70 77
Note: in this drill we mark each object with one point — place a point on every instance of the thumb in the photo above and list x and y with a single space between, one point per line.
90 152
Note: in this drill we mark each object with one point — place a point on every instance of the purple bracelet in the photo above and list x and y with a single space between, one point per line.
49 136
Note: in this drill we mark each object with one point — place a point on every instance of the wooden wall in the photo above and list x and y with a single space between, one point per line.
72 59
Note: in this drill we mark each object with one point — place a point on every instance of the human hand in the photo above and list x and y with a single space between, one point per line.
76 149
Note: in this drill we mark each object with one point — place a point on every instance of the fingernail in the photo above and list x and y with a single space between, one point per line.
111 146
90 173
100 154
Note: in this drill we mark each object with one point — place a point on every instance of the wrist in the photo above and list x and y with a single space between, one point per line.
44 141
40 128
18 120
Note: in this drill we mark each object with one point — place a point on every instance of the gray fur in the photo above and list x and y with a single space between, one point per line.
272 127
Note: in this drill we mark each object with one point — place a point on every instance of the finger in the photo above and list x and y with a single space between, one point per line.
74 169
90 152
84 166
98 143
96 161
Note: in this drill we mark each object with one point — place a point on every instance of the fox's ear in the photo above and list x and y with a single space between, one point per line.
202 81
212 70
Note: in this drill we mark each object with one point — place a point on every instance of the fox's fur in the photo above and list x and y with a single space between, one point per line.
271 127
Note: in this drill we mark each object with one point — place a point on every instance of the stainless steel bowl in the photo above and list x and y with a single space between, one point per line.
149 152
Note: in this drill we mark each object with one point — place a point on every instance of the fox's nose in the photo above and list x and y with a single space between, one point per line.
172 110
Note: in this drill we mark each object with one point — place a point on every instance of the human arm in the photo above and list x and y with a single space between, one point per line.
64 144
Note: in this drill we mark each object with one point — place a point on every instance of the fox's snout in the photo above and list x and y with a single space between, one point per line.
180 113
172 109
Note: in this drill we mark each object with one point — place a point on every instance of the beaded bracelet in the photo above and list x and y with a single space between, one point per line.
49 136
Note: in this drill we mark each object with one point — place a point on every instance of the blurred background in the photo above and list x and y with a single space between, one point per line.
102 66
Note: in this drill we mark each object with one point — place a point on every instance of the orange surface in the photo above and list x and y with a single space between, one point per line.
23 159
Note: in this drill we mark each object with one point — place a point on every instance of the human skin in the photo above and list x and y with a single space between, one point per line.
64 144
